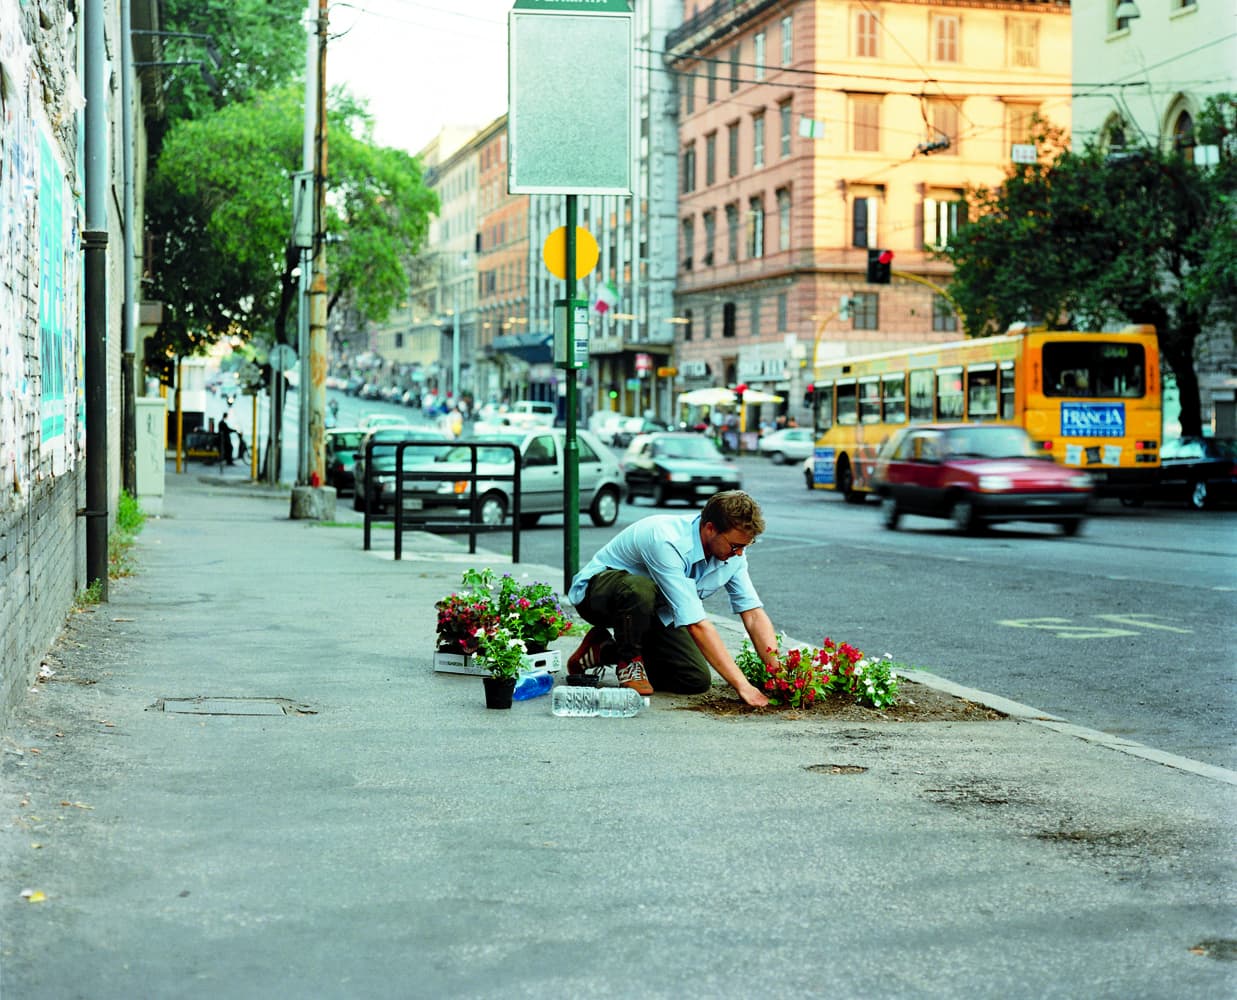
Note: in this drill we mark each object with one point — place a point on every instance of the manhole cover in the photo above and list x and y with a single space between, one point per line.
835 768
231 706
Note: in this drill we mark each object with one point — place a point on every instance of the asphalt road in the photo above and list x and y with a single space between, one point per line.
1128 628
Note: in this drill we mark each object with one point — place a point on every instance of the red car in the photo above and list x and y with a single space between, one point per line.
976 475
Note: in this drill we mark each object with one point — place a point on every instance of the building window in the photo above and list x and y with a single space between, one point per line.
863 222
687 324
755 318
735 54
399 340
710 237
788 40
1023 38
689 168
944 319
783 218
758 55
942 217
688 81
756 227
1020 122
786 124
689 244
944 116
732 231
711 84
783 312
1183 136
866 121
728 314
867 34
945 38
732 138
710 159
865 310
1119 23
758 139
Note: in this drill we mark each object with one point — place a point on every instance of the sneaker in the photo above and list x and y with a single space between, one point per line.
594 652
631 675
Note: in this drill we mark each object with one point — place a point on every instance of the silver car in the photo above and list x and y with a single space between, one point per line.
439 496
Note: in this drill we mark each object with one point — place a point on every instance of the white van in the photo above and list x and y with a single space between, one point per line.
531 413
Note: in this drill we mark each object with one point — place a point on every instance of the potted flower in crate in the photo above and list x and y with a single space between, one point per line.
534 609
501 650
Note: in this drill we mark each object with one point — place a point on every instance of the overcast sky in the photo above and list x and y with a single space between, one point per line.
421 65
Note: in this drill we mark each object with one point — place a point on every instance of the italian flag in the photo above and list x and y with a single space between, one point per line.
607 298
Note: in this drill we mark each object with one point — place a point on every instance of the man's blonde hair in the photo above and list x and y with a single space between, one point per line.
734 509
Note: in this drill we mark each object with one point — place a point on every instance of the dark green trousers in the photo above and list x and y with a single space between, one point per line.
623 602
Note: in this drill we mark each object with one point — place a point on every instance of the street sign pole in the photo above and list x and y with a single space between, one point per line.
571 461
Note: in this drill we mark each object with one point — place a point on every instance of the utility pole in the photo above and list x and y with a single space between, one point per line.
94 240
313 395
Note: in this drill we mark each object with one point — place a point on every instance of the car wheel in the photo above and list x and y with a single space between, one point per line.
890 515
1198 496
659 495
1071 527
493 509
963 515
605 508
777 457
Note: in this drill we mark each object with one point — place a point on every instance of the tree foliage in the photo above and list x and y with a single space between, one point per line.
1092 239
220 210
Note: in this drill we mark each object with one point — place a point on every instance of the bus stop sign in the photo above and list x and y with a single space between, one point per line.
570 95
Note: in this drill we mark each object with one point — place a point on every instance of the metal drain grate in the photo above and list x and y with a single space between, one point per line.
231 706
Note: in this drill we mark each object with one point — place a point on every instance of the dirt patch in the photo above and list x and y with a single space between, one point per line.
916 703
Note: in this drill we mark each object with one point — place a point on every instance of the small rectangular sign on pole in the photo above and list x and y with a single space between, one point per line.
570 96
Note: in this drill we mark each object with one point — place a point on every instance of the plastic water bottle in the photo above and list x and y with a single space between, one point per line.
532 684
618 702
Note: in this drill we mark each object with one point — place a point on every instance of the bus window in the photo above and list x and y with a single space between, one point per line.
981 393
1007 390
824 407
848 404
1094 368
893 399
949 394
923 384
869 401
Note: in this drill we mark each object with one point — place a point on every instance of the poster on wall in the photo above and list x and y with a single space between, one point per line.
57 293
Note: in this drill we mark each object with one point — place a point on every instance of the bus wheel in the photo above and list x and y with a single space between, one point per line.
890 515
1071 527
963 515
846 483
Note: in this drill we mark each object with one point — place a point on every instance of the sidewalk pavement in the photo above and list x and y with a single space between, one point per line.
356 825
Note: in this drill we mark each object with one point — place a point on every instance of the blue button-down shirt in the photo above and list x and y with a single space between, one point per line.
667 549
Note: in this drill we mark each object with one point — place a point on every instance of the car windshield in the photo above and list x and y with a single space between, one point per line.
700 448
990 442
485 455
348 440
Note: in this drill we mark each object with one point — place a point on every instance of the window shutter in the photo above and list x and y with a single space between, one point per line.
873 210
930 238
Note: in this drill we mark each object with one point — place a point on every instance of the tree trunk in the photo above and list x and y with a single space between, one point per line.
1179 353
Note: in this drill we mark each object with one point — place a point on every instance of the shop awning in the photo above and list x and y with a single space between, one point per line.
534 348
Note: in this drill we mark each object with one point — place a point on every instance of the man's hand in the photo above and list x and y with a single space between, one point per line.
753 696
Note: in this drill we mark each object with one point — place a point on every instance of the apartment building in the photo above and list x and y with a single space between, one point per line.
811 131
1142 73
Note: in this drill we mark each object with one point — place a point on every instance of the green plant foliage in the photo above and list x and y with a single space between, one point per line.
1092 239
805 675
220 204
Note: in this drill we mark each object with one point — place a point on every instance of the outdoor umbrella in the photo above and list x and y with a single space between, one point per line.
725 397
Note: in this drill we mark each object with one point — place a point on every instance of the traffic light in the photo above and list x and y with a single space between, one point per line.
879 262
809 395
739 390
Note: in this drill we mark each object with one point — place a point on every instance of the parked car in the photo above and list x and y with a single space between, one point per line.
976 474
626 430
341 448
382 478
677 466
532 413
790 444
1202 471
372 420
542 454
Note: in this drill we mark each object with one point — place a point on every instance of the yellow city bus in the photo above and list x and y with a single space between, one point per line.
1090 400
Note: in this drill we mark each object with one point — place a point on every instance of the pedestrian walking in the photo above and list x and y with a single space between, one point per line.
225 441
644 590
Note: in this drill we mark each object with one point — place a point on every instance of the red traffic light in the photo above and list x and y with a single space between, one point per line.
741 388
886 257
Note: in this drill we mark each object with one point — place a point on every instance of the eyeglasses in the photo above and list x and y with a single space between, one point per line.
737 550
